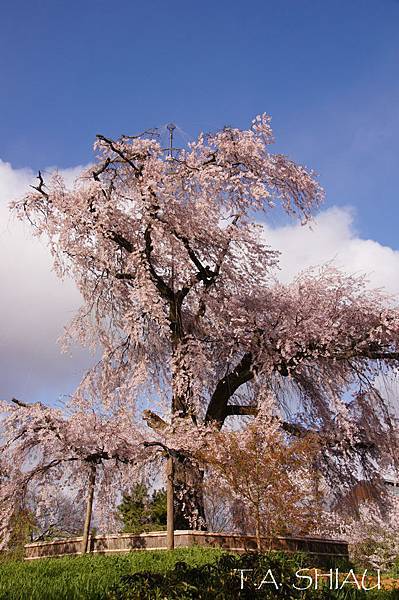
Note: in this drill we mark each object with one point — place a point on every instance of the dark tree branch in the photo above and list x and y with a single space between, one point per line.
96 173
164 289
235 410
128 276
296 430
154 421
168 451
119 152
121 241
377 355
225 389
39 188
204 273
20 403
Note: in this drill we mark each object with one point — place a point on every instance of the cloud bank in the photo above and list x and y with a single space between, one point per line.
332 237
35 304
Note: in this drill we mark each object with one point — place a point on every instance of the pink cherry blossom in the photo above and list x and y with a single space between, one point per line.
180 294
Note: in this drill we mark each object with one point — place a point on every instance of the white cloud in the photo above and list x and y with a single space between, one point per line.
332 237
35 304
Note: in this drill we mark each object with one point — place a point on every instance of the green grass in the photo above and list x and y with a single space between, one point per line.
88 577
135 576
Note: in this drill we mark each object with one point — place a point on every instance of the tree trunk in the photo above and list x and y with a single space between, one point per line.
189 495
189 511
89 508
257 530
170 520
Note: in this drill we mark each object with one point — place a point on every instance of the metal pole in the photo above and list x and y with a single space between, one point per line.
171 127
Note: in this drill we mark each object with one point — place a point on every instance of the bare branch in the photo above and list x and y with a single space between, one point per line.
39 188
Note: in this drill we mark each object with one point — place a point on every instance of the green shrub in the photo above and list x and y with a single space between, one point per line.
222 581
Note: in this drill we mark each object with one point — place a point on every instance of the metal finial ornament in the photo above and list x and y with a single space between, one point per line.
171 127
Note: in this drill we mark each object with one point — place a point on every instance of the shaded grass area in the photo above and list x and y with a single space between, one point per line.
270 576
88 577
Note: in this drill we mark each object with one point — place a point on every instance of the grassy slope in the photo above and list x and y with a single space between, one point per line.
87 577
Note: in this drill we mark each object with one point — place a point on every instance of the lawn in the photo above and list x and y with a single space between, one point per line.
151 575
88 577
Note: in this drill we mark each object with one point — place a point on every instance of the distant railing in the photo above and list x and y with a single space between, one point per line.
156 540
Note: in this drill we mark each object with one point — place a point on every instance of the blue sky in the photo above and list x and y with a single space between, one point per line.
327 72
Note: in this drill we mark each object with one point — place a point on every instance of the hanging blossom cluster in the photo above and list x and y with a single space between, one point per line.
372 533
374 536
178 289
47 453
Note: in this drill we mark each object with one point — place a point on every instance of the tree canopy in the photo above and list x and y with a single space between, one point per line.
179 289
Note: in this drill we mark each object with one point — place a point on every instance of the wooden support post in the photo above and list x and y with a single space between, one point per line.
89 508
170 519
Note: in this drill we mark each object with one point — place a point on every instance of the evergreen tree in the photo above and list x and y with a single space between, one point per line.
139 511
